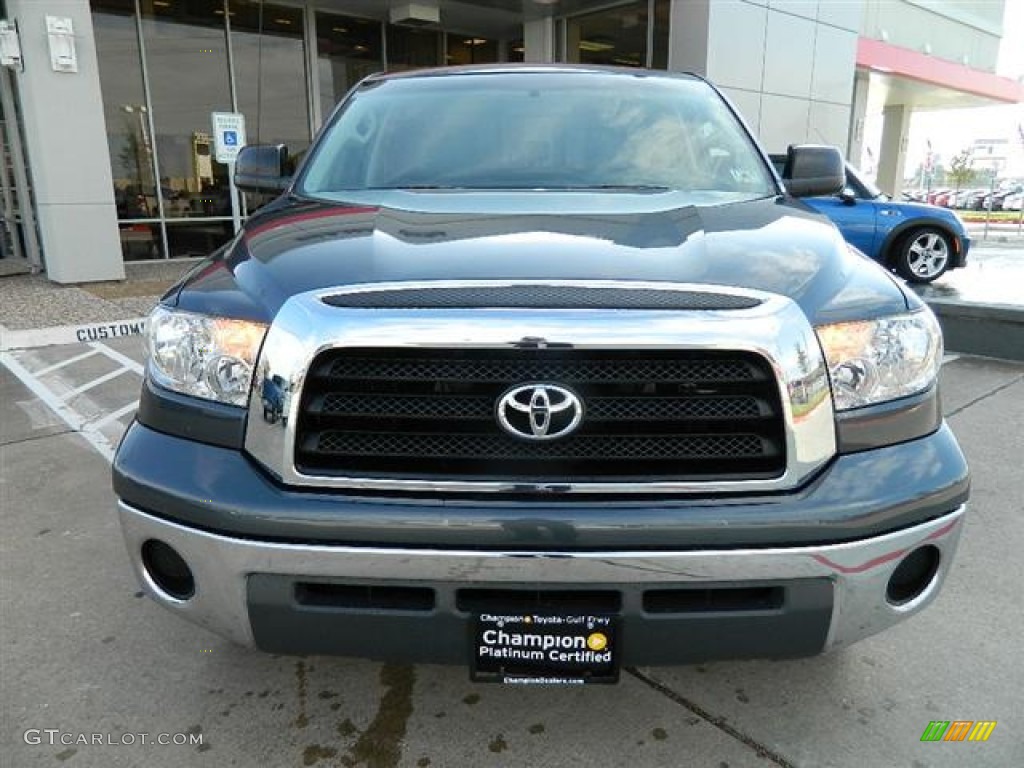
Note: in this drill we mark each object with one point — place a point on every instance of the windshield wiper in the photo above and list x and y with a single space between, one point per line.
617 187
412 187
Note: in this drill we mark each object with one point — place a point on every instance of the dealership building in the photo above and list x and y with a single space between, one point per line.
106 106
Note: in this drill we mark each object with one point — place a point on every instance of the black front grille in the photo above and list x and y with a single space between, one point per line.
649 415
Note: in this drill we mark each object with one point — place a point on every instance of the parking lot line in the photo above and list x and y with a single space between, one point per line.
66 414
131 407
117 357
95 383
69 361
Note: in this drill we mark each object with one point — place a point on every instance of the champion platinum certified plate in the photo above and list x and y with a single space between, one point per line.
545 649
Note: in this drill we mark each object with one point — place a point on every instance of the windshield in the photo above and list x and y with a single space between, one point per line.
537 131
870 189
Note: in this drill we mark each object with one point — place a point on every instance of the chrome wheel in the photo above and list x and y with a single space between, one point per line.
925 256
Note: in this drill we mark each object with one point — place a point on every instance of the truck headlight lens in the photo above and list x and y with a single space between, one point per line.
878 360
203 356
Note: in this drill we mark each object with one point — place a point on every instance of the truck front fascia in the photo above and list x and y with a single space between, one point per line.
220 490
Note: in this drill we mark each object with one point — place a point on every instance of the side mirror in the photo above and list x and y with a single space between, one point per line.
847 196
262 168
812 170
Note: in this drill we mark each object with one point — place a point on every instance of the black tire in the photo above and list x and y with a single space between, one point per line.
923 255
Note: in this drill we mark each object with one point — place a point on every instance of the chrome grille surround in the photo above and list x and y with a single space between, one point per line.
776 329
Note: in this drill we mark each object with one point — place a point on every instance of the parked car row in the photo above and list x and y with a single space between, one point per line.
975 199
1012 202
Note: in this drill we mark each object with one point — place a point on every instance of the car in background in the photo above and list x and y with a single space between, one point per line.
919 242
959 198
969 199
1013 202
1000 196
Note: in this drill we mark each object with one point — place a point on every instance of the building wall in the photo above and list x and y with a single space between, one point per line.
965 31
64 138
788 65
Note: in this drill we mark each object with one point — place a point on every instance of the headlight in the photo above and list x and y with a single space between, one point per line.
202 356
878 360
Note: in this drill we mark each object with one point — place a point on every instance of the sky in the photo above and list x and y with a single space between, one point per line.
953 130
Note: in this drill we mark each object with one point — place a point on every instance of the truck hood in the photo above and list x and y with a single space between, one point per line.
773 244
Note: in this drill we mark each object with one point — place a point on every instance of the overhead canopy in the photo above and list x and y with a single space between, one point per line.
927 82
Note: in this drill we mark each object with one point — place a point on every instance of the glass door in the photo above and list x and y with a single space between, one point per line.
19 244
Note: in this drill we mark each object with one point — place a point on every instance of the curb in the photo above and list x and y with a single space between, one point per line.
989 330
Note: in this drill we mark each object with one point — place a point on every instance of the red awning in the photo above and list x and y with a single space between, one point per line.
903 62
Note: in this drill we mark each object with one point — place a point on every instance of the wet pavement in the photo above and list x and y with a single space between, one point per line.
994 275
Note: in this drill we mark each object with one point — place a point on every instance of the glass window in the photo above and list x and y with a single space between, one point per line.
128 135
410 48
616 36
347 50
540 131
186 58
516 50
139 241
270 72
659 56
469 49
124 107
196 238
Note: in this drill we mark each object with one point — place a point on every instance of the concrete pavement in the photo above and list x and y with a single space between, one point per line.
84 653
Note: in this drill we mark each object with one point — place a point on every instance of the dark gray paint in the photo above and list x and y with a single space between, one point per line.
896 421
855 496
773 244
191 417
443 636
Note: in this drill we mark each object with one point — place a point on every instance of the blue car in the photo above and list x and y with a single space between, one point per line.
919 242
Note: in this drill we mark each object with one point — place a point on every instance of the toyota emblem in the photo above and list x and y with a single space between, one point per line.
539 411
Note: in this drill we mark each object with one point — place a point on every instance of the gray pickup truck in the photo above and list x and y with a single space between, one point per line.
541 371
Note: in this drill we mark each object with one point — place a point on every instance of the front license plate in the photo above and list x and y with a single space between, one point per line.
534 649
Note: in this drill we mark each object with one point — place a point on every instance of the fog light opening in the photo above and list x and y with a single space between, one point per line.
168 570
913 576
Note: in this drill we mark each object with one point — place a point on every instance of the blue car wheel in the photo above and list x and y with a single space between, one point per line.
923 255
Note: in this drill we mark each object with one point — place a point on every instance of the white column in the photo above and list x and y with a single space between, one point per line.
855 142
893 156
689 27
66 143
539 40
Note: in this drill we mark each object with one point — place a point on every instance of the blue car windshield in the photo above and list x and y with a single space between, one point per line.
873 192
537 130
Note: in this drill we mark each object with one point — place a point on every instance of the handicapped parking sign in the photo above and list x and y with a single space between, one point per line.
228 135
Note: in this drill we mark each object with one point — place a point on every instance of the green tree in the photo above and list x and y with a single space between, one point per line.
961 169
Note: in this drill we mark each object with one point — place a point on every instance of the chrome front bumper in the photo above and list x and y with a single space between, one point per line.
859 571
